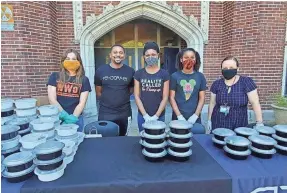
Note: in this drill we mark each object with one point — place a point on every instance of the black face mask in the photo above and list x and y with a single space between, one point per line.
229 73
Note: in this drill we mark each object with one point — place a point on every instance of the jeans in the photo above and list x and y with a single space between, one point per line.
141 121
80 123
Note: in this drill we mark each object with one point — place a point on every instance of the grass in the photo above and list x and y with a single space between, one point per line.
280 101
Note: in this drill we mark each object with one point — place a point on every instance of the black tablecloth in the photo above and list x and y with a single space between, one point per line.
117 165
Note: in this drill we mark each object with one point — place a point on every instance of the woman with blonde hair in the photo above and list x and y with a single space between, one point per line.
69 88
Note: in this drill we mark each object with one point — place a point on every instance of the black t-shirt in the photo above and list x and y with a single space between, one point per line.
68 94
151 89
115 98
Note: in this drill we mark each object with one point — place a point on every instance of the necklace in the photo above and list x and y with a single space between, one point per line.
229 87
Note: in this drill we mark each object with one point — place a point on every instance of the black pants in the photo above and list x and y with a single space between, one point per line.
123 125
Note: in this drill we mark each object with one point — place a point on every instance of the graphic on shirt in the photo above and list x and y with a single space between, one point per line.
151 85
187 87
68 89
115 78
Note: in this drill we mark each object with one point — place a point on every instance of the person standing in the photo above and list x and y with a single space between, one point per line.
69 89
230 96
151 87
114 85
187 89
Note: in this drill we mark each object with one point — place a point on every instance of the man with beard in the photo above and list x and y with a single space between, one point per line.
114 83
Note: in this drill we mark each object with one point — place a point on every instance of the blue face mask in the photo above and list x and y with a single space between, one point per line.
151 61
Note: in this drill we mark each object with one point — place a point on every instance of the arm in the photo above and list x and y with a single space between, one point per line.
200 104
173 102
212 104
137 97
80 107
53 97
164 98
98 91
254 100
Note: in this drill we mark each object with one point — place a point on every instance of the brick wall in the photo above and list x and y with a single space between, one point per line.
252 31
29 53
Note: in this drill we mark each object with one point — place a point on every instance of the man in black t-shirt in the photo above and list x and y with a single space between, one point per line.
114 83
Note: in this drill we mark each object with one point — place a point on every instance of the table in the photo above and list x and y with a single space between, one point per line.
247 175
117 165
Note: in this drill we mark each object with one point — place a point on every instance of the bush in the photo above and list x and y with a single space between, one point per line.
280 101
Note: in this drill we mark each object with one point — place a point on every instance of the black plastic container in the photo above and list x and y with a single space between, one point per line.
23 123
8 152
180 127
49 150
281 131
281 149
179 148
7 113
151 148
245 132
180 139
9 132
218 143
179 157
237 144
154 127
221 133
17 177
18 162
280 140
50 164
262 142
236 156
264 154
154 139
154 157
265 130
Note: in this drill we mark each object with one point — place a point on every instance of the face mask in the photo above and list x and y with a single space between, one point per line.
229 73
151 61
188 64
71 65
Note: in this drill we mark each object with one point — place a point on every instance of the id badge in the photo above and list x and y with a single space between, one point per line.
224 109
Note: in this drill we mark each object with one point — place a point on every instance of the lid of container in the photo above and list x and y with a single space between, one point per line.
33 137
281 128
238 153
26 100
29 150
218 141
265 129
154 155
154 125
19 158
141 141
180 124
179 154
2 168
262 140
5 100
142 133
7 174
71 155
278 138
261 151
223 132
48 119
71 137
246 131
237 141
15 139
40 121
49 147
5 119
184 145
162 136
148 145
48 107
25 131
44 172
5 129
189 135
283 148
14 149
7 110
67 127
17 121
49 162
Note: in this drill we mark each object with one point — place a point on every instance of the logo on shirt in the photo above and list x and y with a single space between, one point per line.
115 78
151 85
68 89
187 87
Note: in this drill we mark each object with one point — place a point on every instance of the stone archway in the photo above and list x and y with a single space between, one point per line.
170 16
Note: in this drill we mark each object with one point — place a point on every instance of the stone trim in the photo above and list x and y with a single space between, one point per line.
78 19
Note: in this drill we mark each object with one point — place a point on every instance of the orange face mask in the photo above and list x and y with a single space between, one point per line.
72 65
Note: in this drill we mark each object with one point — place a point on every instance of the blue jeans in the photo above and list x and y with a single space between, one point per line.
80 123
141 121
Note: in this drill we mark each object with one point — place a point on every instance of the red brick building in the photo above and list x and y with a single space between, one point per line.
255 32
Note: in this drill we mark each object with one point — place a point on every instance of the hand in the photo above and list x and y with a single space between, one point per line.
147 118
154 118
192 119
63 115
181 118
71 119
209 127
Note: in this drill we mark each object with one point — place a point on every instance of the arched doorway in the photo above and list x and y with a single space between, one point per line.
125 12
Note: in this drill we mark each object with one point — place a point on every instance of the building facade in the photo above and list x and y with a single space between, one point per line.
255 32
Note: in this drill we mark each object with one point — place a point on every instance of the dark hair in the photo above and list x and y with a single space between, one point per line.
150 45
64 75
180 54
231 58
118 45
